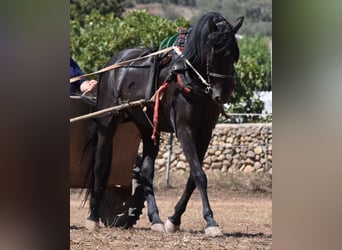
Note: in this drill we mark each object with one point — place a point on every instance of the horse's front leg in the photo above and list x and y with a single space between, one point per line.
194 150
173 222
150 152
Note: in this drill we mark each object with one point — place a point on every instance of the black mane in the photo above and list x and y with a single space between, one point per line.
201 39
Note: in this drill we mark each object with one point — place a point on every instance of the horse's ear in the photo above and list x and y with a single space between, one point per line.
238 24
211 25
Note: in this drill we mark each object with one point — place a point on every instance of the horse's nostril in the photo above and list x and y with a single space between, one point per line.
217 99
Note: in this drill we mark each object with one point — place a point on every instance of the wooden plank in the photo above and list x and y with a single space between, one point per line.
125 146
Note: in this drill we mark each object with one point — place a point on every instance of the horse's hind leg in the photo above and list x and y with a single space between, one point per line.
103 158
150 152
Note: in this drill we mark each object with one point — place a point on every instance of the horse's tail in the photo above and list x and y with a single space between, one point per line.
90 148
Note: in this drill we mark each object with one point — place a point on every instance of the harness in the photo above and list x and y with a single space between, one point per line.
184 81
181 69
181 73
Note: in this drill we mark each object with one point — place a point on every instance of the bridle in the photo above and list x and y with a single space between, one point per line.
211 74
210 58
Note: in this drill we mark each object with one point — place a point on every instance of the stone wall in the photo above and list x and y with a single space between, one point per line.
233 147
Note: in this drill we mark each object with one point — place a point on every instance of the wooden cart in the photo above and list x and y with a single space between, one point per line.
124 199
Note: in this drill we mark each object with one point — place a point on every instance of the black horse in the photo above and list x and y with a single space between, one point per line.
189 107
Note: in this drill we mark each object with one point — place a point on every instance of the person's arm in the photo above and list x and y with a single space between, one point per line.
75 70
83 84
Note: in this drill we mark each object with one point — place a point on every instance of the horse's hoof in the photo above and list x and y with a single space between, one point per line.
92 225
213 232
158 227
170 227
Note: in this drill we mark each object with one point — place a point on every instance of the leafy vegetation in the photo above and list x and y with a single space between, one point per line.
256 60
101 36
253 73
257 13
176 2
81 8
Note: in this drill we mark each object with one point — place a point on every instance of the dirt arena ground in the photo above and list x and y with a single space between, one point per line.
244 216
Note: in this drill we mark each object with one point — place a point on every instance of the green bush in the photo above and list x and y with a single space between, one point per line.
255 50
253 73
81 8
101 36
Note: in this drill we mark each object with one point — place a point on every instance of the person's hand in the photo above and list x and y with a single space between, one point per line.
88 85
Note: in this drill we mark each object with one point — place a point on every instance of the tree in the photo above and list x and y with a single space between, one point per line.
257 13
101 36
81 8
166 2
253 73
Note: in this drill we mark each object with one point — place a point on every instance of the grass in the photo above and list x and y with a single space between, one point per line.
235 182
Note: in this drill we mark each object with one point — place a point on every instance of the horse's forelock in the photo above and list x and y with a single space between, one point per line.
201 39
223 39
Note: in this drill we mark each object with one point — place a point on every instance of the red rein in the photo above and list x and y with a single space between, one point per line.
156 108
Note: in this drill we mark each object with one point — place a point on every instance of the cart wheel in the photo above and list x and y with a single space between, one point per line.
122 206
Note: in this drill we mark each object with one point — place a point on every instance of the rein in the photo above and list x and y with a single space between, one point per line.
120 64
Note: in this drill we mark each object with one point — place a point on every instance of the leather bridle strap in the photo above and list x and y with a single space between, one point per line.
180 54
220 75
213 74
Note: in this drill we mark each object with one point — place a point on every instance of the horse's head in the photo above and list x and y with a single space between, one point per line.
222 53
216 53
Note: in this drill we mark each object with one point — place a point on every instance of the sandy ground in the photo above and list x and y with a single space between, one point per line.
244 218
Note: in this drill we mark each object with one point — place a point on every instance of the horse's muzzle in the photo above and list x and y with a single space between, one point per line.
220 100
221 96
217 99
